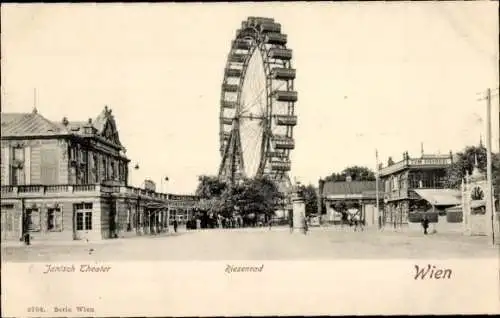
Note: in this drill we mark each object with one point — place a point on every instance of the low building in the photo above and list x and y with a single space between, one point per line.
413 185
68 181
339 196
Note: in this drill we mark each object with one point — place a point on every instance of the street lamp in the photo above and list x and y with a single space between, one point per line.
136 168
162 180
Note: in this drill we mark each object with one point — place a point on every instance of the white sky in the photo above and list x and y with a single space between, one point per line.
369 75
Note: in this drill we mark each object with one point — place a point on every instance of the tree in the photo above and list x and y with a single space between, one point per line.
310 195
210 187
465 161
259 195
357 173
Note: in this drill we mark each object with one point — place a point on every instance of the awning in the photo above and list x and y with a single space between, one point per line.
440 197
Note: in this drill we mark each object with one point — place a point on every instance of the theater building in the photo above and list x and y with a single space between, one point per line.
67 180
415 185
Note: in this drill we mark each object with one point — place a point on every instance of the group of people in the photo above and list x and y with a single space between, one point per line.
352 219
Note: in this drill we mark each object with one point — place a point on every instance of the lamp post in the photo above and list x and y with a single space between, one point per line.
168 201
489 202
164 179
136 168
377 180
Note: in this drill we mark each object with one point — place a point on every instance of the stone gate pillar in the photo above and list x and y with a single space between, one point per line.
299 210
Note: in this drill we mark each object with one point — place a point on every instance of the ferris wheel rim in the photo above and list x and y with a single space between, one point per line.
255 42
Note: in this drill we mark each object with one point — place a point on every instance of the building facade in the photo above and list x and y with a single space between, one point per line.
69 181
340 196
413 185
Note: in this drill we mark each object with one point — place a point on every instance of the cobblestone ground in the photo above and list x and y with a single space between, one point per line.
258 244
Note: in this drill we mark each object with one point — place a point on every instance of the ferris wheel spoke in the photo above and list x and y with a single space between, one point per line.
251 139
256 100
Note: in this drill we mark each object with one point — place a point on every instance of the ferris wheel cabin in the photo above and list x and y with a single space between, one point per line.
281 54
286 96
237 58
281 165
283 142
283 73
275 38
286 120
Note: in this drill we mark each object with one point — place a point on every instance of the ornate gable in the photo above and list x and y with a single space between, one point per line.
106 127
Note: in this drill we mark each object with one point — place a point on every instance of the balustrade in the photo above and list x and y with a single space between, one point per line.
95 189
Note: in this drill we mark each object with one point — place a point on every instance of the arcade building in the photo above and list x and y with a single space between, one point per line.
68 180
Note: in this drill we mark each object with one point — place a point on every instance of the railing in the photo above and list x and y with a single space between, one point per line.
416 162
57 188
396 194
21 190
85 187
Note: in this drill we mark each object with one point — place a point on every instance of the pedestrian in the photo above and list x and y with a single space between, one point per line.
306 228
291 224
425 224
344 219
175 225
27 238
357 222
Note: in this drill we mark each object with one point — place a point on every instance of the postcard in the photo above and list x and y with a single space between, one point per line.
248 159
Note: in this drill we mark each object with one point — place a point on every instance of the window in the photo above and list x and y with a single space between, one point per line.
17 164
83 156
32 220
95 163
18 154
54 219
83 216
88 220
51 220
72 153
129 221
7 217
395 183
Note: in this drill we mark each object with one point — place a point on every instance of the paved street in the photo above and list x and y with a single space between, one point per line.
259 243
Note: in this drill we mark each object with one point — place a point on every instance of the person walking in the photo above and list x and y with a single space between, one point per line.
357 221
344 219
425 224
291 224
175 225
306 228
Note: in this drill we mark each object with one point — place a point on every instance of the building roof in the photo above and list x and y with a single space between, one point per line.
440 197
349 187
34 124
28 124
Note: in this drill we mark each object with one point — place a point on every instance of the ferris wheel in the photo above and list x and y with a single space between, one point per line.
257 114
